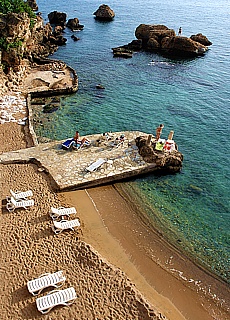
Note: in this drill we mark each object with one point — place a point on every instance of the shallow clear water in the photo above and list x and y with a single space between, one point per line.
190 97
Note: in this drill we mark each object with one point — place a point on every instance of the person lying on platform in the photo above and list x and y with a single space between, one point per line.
120 140
106 136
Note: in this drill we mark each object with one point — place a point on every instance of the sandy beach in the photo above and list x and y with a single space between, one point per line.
30 248
120 267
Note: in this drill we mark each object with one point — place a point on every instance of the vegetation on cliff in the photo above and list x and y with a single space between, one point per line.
17 6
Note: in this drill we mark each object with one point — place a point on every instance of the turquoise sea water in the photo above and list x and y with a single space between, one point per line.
190 97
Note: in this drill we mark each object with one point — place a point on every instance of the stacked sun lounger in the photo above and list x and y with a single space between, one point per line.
19 199
60 224
54 298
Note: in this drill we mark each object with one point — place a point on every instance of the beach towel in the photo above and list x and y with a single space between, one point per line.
169 145
68 143
159 146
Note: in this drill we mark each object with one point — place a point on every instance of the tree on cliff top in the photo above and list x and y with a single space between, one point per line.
16 6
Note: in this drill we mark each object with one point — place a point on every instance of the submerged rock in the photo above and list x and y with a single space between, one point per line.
75 38
100 86
122 52
52 106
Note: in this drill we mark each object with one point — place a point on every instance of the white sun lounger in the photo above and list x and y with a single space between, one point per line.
20 195
55 279
14 204
59 226
57 297
61 211
94 166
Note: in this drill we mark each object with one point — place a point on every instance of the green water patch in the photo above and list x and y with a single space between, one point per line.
204 241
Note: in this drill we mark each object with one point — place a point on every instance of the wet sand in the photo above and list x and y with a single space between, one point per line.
169 280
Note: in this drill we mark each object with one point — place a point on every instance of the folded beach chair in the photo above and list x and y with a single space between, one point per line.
44 281
68 143
23 195
95 165
57 297
61 211
14 204
59 226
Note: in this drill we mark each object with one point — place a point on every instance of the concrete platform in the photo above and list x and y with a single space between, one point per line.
68 168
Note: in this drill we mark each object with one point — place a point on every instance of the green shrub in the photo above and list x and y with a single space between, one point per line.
6 46
17 6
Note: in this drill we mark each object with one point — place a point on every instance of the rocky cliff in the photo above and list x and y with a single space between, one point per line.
21 44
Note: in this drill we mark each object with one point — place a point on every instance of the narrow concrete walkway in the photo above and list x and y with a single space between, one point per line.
68 168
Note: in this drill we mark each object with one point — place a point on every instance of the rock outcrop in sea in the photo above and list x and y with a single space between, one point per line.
169 162
161 39
74 24
57 18
104 13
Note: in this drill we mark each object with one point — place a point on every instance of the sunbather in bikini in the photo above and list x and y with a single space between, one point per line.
80 142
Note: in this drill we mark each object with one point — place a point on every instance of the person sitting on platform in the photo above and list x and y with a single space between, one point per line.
119 141
78 143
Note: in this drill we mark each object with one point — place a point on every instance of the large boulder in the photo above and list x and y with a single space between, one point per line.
199 37
182 46
153 45
104 13
74 24
163 160
152 35
156 31
57 18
